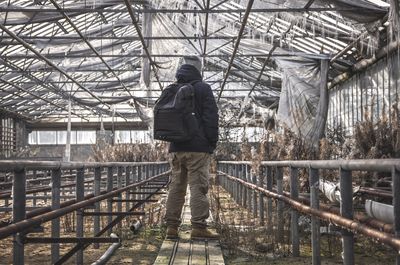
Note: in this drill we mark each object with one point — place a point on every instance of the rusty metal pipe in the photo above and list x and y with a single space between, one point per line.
362 217
327 216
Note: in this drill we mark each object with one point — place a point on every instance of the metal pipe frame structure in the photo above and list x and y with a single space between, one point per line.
131 177
67 18
50 63
237 43
142 40
78 11
351 222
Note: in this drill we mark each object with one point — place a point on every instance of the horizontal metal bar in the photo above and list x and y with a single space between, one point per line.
15 165
28 208
179 11
41 197
152 187
382 165
140 192
89 55
112 213
70 240
130 38
124 200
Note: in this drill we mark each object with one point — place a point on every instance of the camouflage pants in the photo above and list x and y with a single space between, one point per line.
189 168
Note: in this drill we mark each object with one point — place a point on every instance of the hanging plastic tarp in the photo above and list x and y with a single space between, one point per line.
300 95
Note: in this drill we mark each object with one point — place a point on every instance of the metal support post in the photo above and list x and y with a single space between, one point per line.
294 227
230 182
249 191
55 204
139 178
244 189
119 185
261 196
253 177
134 180
19 214
269 200
346 210
127 183
110 175
80 195
240 176
396 205
237 184
280 218
34 194
315 230
97 187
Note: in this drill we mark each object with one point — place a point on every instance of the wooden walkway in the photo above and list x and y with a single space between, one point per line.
185 251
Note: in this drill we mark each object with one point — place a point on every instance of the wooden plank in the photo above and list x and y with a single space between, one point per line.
198 256
165 253
214 253
182 254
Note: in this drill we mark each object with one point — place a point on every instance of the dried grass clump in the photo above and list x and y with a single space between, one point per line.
131 152
380 139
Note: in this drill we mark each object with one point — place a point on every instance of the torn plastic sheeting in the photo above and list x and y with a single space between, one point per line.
330 189
300 94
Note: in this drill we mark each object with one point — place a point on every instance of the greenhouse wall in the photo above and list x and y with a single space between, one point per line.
371 93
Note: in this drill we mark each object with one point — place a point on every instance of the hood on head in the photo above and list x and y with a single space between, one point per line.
187 73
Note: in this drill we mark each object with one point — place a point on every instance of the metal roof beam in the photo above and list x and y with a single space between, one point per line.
178 11
144 46
35 96
89 44
241 30
246 55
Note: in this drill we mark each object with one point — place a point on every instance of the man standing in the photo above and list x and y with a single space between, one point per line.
191 159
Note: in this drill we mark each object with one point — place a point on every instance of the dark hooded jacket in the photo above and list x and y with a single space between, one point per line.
206 113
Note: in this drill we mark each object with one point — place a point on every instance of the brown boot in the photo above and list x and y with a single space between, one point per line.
203 233
172 232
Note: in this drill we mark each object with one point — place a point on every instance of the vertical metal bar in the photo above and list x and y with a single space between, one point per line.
80 195
139 178
396 206
254 195
240 176
269 200
18 200
261 196
280 222
315 230
96 219
346 210
294 225
237 184
249 191
34 194
232 183
244 189
55 204
127 183
119 185
110 176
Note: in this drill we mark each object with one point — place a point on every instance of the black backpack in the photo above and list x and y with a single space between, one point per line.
174 113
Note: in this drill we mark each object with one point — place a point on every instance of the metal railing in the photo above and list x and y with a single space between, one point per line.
251 191
129 183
